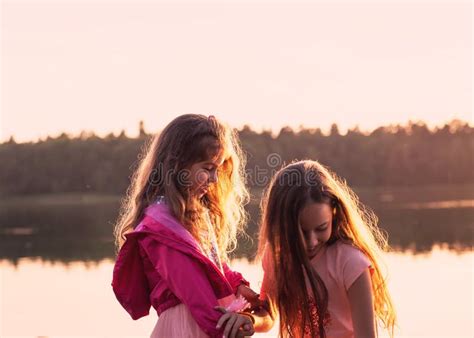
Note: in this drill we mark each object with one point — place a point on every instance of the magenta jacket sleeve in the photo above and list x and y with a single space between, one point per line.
188 281
235 278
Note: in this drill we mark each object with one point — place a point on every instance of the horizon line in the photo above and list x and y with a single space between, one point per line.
275 131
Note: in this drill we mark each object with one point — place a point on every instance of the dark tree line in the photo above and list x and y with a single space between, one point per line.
393 155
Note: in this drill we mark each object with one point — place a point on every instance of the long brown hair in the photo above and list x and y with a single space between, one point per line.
290 190
186 140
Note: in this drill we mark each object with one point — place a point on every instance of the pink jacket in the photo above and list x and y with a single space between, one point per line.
160 265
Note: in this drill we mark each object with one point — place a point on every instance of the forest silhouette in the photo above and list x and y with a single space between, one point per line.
397 155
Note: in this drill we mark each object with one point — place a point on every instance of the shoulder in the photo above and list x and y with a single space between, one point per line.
157 229
161 240
346 251
149 240
349 262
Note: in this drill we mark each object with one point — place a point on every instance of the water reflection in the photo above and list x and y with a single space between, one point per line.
79 228
65 232
432 293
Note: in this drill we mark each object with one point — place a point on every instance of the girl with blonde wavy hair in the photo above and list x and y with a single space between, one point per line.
179 221
321 255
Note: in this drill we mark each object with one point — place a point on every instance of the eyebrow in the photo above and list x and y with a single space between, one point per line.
213 163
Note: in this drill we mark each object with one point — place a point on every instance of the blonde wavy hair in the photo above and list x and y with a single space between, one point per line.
187 140
290 190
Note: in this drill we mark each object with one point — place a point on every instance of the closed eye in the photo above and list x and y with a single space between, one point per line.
322 227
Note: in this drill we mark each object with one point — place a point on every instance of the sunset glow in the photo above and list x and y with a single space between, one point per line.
104 66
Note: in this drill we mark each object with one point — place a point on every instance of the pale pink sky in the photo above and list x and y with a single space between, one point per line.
105 65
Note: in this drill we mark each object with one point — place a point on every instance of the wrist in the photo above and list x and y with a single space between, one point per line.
249 315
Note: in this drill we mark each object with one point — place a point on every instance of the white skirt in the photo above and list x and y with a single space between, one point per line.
178 322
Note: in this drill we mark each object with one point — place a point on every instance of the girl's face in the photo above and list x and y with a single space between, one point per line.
203 174
316 226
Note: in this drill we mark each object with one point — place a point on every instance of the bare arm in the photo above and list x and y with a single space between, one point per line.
362 307
260 310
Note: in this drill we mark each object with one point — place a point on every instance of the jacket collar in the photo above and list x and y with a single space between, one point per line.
161 213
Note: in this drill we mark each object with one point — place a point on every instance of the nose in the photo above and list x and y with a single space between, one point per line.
213 176
312 240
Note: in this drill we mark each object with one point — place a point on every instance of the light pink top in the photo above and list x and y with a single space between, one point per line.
338 265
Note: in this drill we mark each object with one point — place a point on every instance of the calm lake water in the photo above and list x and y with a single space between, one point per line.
56 261
433 293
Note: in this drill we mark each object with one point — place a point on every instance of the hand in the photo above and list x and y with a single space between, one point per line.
237 326
250 295
253 298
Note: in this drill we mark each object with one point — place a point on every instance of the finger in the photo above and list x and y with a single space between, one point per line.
243 333
248 329
235 330
236 327
250 332
229 325
220 308
223 319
